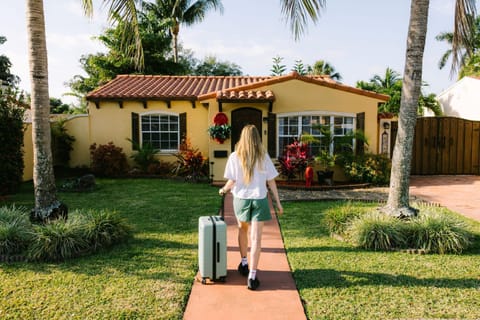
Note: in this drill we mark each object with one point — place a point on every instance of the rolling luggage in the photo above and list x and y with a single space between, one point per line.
212 246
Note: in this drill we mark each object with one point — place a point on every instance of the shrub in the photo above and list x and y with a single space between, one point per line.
161 168
339 218
190 162
367 168
108 160
11 140
438 233
376 231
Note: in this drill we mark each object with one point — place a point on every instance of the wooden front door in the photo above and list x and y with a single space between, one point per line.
240 118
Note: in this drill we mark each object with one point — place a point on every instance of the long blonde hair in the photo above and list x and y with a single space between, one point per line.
250 151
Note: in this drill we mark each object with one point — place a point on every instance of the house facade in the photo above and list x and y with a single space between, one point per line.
162 110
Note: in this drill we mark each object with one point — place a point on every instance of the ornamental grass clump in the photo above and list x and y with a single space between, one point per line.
57 240
104 228
14 230
438 233
376 231
339 218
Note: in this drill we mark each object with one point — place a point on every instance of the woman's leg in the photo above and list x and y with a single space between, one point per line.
243 238
256 243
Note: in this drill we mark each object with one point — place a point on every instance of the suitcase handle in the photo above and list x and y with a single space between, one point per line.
221 210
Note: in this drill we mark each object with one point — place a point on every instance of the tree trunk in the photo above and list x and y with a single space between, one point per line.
398 197
43 177
175 31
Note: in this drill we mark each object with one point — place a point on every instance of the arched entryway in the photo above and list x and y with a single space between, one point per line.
242 117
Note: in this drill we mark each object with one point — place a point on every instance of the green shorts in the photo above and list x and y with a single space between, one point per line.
251 209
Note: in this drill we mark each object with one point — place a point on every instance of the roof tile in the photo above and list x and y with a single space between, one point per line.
157 87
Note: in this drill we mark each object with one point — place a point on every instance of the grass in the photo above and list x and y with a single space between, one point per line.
338 281
151 275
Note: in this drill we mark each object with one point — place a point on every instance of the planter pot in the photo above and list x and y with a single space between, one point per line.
325 177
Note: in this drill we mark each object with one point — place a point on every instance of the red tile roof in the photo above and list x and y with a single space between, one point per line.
156 87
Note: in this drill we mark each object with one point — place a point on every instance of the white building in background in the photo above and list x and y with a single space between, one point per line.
462 99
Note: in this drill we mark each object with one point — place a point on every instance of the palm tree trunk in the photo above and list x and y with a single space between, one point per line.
43 177
398 197
175 31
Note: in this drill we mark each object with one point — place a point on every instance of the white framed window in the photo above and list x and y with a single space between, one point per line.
161 130
292 126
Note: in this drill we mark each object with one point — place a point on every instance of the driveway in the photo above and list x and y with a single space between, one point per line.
457 193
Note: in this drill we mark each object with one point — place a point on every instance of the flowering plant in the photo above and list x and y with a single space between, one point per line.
294 160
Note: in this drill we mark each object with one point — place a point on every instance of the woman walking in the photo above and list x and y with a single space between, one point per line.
248 171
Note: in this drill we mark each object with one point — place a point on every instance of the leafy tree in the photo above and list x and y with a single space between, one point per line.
11 142
177 12
471 67
6 78
58 107
321 67
210 66
278 69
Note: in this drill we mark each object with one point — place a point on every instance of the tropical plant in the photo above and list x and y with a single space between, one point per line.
144 155
300 68
466 53
191 164
210 66
294 160
321 67
391 85
278 69
177 12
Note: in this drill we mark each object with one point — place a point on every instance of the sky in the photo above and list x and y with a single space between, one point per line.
359 38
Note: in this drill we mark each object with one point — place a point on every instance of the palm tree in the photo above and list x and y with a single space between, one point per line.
186 12
322 67
466 52
465 12
47 205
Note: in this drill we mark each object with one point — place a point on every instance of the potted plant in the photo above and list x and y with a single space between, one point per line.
327 162
220 132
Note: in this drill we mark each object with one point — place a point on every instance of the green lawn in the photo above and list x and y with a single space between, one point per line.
150 276
337 281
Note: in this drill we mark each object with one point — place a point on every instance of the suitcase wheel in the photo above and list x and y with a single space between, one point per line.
204 280
222 279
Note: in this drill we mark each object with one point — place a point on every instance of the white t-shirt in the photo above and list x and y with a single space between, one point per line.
257 189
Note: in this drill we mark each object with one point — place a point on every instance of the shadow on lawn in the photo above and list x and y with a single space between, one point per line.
315 278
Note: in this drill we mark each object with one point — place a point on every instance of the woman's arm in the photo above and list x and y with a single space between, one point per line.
227 187
273 186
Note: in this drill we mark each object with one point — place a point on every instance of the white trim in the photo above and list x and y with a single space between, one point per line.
317 113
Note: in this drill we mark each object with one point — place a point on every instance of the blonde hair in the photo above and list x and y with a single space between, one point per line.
250 151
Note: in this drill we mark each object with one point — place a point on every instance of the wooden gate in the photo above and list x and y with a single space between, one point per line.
446 145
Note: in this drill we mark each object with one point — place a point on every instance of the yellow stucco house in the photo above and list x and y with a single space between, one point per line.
164 109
